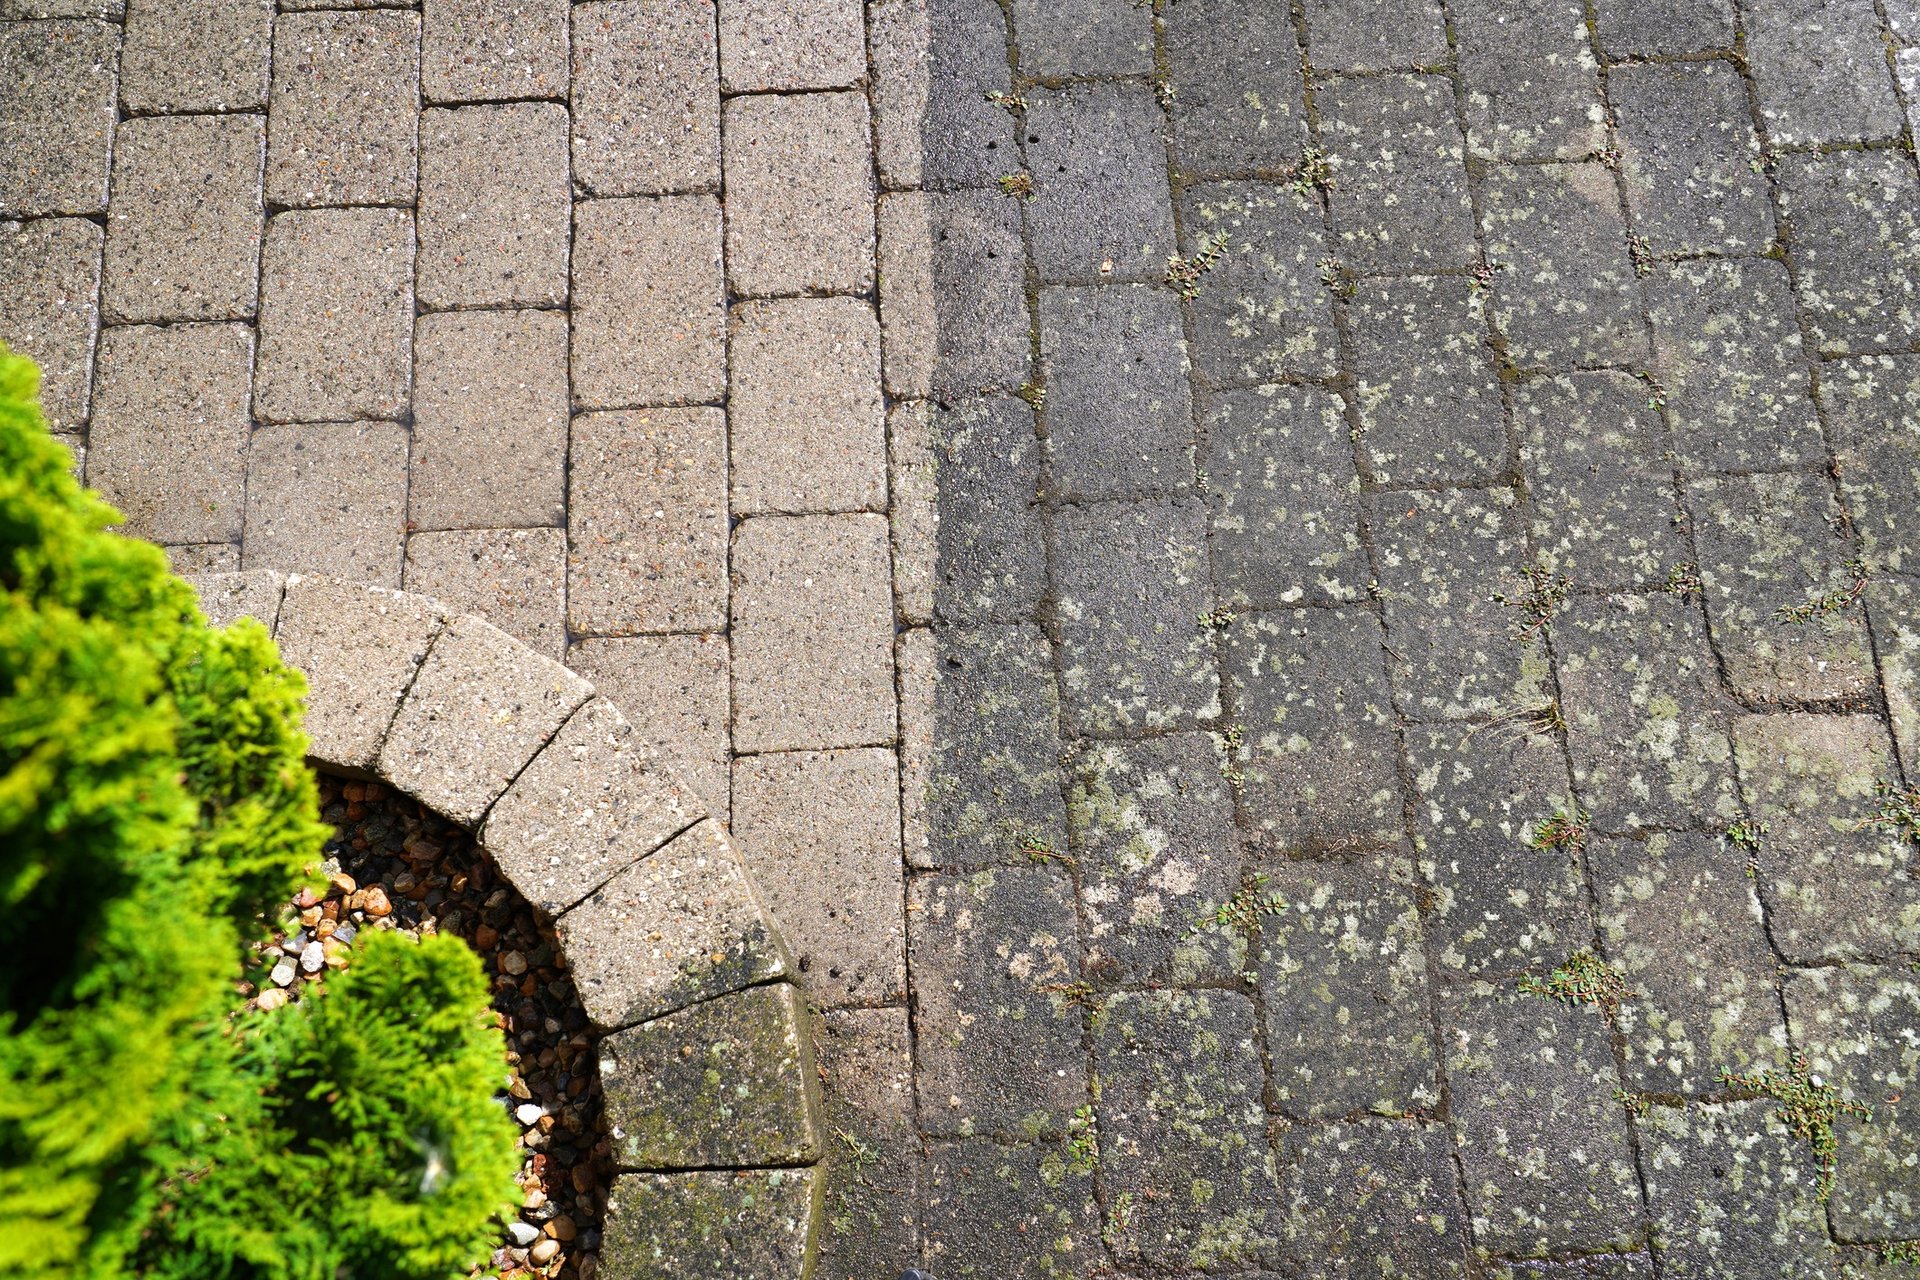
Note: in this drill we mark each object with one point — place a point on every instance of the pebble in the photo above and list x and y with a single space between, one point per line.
272 998
523 1233
529 1112
561 1228
542 1253
376 903
345 933
513 963
294 945
313 957
283 973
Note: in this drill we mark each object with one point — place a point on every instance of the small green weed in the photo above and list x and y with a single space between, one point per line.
1034 394
1313 172
1083 1140
1808 1106
1638 1103
1832 603
1683 579
1018 185
1901 1253
1183 274
1220 617
1584 979
1564 831
1544 593
1039 849
1899 809
1245 908
1008 101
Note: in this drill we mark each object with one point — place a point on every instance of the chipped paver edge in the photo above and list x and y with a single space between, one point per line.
614 764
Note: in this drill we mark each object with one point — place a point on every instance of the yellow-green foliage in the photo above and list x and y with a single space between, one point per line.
154 804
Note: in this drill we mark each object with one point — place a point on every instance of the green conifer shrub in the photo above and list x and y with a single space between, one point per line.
154 808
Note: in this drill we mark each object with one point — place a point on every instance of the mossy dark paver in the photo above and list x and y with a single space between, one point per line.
724 1084
709 1226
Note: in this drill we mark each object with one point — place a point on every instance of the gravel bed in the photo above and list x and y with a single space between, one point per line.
396 865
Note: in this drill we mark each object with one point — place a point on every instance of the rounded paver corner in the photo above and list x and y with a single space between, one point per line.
668 943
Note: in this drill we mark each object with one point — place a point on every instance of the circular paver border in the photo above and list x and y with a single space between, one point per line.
712 1101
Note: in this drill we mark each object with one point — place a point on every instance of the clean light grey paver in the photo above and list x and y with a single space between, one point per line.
196 55
22 10
647 522
710 1226
191 558
594 801
490 420
821 833
482 705
49 286
807 430
346 94
646 97
361 648
514 578
493 49
770 45
183 232
649 302
799 194
327 497
336 315
168 443
812 633
728 1083
58 128
679 685
227 597
494 210
673 929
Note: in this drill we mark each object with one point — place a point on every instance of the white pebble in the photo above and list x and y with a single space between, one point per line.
529 1112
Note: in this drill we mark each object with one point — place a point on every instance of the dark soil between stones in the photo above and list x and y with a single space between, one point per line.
394 864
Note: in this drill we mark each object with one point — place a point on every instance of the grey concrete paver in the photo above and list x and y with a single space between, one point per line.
49 309
647 522
766 46
1427 392
1399 198
493 49
1375 1193
1263 313
1692 168
196 55
494 208
364 646
934 66
328 497
649 304
489 439
678 683
1237 102
184 228
61 110
645 97
1820 69
812 628
962 247
514 578
1853 217
1375 35
336 315
345 108
1532 84
1627 27
806 423
799 194
169 437
822 834
1100 209
1122 423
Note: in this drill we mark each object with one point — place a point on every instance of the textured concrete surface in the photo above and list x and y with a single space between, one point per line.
1491 544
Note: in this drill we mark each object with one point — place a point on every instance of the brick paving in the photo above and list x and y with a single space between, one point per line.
1131 698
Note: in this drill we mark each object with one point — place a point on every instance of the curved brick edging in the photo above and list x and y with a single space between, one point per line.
711 1096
